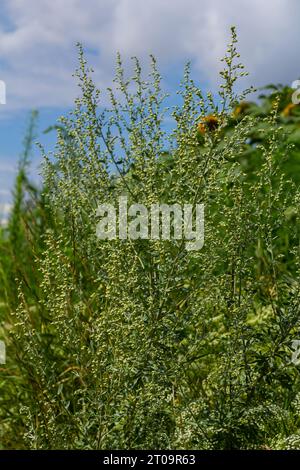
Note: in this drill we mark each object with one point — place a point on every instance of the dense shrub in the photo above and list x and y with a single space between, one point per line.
141 343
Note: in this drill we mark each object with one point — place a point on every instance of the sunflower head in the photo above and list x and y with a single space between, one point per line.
208 123
240 109
288 110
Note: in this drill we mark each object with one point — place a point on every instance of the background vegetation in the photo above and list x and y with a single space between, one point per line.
141 344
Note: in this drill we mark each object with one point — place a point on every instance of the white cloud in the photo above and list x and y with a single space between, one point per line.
4 213
7 168
5 192
37 53
5 208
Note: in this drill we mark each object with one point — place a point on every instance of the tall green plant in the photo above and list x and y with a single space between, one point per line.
140 343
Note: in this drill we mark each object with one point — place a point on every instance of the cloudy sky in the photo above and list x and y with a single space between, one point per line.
38 53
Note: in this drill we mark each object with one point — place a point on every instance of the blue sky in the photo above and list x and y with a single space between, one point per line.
38 53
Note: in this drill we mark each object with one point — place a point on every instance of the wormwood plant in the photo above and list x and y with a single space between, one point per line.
140 343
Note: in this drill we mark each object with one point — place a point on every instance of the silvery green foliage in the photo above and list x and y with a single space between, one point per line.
141 344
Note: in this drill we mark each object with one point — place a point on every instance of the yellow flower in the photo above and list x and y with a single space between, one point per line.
209 122
288 110
240 109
